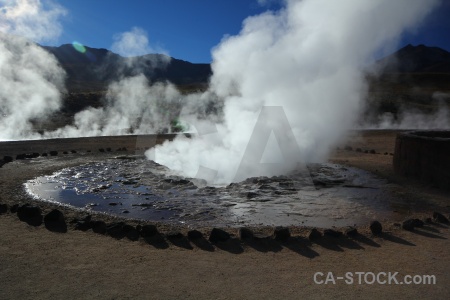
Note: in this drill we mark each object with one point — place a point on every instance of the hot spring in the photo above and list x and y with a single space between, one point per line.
320 195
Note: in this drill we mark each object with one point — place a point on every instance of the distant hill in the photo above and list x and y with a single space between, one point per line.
94 69
417 59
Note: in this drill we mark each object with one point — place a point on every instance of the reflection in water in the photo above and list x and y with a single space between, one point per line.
322 195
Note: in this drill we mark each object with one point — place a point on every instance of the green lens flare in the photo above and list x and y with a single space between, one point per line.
79 47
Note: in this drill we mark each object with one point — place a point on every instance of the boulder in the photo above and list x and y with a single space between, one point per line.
149 231
54 221
376 228
218 235
314 234
3 209
408 225
13 209
53 153
194 235
440 218
351 232
30 214
282 233
20 156
99 227
245 233
115 230
7 159
131 232
332 233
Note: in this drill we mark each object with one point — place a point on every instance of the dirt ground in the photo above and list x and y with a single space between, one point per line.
39 264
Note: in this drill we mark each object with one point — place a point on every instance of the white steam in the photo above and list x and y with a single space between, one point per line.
305 58
31 79
34 19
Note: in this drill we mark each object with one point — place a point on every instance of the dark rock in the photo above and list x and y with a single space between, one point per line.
54 221
174 235
3 209
245 233
83 225
13 209
30 214
418 223
314 234
332 233
131 232
35 155
408 225
98 227
251 195
88 151
73 151
385 153
53 153
358 150
149 231
20 156
348 148
65 152
351 232
194 235
44 154
282 233
108 149
218 235
428 221
440 218
115 230
101 150
366 151
7 159
376 228
373 151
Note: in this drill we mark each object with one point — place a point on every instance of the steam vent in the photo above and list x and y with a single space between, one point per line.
424 155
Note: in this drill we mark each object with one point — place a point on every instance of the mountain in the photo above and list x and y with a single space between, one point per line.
93 69
417 59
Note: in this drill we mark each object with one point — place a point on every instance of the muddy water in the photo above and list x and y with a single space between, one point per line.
321 195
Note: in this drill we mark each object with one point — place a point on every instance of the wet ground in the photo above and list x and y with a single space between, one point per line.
321 195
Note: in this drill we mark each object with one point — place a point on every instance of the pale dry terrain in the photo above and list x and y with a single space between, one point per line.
38 264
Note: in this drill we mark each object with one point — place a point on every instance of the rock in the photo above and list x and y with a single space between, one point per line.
30 214
373 151
251 195
20 156
3 209
65 152
351 232
53 153
218 235
194 235
282 234
54 221
174 235
332 233
83 225
131 232
13 209
245 233
358 150
44 154
428 221
314 234
99 227
418 223
108 149
115 230
149 231
408 225
376 228
101 150
348 148
73 151
440 218
7 159
35 155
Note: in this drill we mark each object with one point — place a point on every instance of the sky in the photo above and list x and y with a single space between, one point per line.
189 30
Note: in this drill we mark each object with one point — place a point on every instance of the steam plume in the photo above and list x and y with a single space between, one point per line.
305 58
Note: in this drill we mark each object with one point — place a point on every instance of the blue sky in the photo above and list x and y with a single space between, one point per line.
188 30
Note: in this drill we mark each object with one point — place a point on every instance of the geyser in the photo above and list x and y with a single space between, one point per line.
306 60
